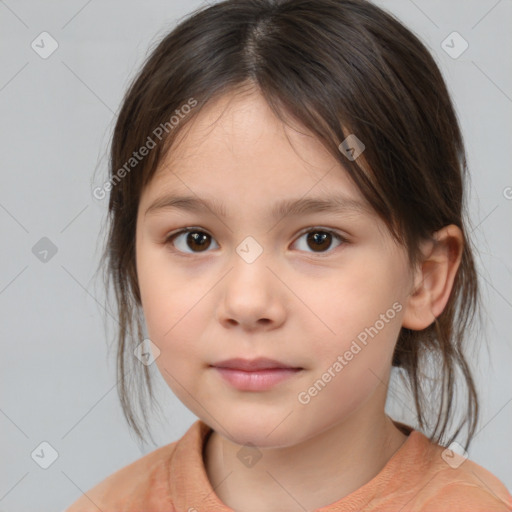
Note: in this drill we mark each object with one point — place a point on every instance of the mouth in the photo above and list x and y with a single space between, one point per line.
250 365
255 375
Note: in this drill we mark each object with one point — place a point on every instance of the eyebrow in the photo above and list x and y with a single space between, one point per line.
286 208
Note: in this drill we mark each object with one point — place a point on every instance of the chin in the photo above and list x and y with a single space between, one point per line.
264 432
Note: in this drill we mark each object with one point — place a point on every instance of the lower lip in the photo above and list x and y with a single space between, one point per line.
259 380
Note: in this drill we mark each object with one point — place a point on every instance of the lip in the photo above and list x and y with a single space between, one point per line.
256 374
261 363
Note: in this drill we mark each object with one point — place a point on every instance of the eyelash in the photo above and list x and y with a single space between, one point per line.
170 238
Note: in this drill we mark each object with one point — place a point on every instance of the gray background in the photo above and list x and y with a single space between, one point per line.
57 373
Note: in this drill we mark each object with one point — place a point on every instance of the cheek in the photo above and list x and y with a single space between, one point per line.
174 305
351 365
359 312
174 320
166 294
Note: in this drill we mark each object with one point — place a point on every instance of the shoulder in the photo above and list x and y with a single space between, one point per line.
142 482
469 488
453 483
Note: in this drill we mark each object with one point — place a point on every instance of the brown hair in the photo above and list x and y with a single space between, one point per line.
337 67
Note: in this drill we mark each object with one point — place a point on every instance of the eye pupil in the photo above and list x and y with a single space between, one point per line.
199 239
319 238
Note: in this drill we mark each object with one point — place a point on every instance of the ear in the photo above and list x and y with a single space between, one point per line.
433 278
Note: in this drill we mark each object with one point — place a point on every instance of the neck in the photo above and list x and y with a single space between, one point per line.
313 474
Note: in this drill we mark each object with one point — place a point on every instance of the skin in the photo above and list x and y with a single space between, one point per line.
296 303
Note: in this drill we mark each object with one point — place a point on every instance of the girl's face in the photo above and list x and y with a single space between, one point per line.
320 289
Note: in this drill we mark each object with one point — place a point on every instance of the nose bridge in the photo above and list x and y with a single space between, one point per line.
251 291
249 262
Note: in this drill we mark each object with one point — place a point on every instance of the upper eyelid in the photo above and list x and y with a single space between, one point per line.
334 231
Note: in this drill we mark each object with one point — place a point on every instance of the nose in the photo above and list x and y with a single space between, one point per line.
252 297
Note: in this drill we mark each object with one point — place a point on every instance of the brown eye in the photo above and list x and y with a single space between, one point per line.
193 239
320 240
197 239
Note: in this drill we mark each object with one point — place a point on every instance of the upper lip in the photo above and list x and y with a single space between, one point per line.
261 363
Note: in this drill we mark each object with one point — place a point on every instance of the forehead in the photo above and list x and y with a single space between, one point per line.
237 148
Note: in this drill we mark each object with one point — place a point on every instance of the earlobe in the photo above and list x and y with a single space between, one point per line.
434 277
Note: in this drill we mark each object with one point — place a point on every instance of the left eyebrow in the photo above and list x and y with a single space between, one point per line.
336 204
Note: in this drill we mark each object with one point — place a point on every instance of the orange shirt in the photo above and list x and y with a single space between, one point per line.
417 478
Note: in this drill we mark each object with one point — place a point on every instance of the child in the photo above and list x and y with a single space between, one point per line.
287 217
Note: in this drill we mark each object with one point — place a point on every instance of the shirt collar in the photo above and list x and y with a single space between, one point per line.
191 490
